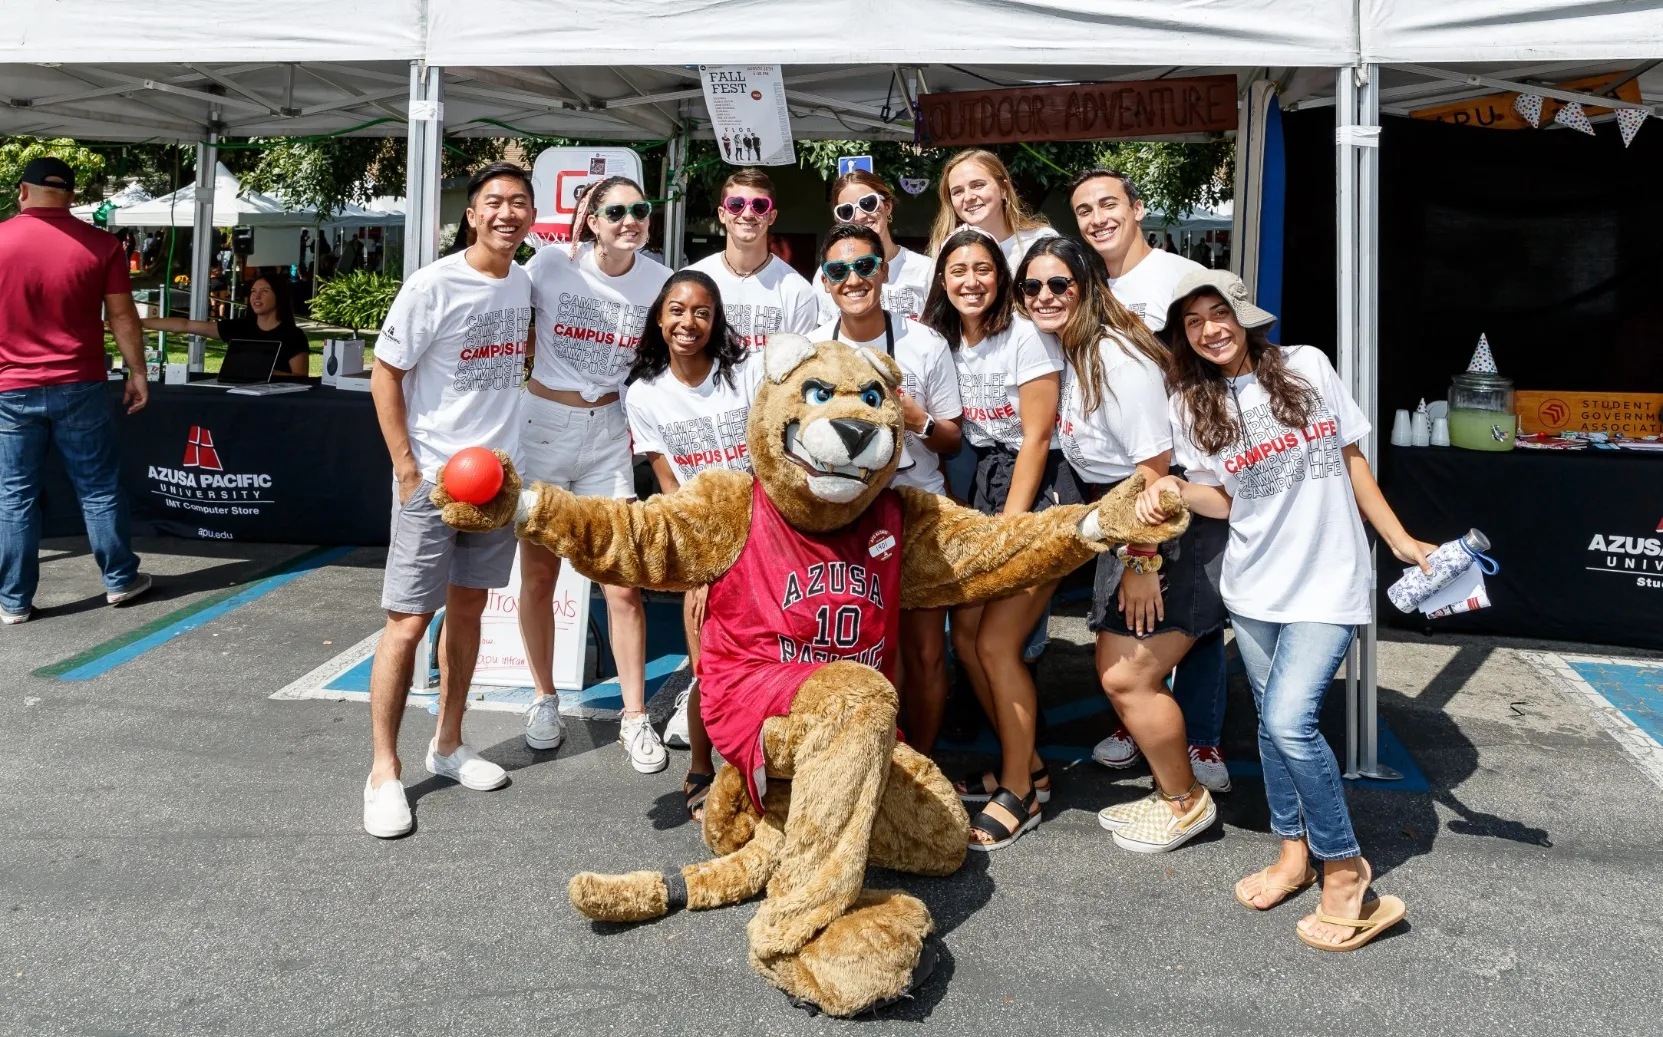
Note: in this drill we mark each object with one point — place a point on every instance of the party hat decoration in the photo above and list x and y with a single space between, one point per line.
1483 361
1573 117
1629 120
1529 107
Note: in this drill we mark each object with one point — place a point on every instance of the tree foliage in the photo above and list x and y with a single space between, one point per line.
17 152
329 172
356 300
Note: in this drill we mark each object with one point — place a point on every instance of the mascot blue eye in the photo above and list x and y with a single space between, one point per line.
817 394
872 398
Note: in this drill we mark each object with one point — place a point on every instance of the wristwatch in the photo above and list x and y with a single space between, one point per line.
929 427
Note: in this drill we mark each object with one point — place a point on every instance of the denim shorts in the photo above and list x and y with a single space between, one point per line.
425 557
992 485
1191 568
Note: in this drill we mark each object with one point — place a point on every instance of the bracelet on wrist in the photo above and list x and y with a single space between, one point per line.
1139 563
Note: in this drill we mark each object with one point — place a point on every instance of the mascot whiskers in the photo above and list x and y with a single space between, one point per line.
809 564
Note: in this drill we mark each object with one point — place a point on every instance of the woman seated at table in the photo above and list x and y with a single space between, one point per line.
270 318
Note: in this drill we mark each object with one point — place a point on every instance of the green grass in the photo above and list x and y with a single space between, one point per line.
177 346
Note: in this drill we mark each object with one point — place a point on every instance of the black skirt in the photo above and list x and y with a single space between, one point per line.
1191 568
992 485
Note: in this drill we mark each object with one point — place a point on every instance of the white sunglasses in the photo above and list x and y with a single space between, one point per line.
868 204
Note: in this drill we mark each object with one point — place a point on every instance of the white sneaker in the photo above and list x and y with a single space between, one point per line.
1117 751
141 584
544 728
646 753
386 810
675 732
466 766
1209 767
11 619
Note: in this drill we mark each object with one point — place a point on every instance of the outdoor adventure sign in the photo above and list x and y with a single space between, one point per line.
1085 111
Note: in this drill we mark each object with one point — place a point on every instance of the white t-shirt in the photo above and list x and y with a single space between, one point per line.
1147 288
460 337
929 376
1017 245
695 428
588 322
775 298
904 289
1130 423
1296 552
991 374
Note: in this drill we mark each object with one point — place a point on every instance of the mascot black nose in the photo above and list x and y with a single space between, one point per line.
854 433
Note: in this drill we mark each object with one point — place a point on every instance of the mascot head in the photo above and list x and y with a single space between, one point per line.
825 430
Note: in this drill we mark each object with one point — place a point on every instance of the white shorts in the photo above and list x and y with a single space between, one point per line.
581 449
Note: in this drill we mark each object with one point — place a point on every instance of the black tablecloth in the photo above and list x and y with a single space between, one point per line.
1579 536
301 468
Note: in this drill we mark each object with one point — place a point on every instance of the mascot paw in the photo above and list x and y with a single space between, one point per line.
482 518
866 958
1118 523
635 897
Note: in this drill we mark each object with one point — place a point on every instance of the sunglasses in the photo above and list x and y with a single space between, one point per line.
616 213
735 205
837 271
868 204
1059 286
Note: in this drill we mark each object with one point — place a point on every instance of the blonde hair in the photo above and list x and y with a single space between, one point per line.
1017 213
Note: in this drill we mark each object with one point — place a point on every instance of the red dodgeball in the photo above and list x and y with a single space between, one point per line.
473 475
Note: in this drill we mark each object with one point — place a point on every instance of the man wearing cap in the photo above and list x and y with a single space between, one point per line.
58 277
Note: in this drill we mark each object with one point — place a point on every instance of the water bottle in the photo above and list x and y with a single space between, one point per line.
1447 562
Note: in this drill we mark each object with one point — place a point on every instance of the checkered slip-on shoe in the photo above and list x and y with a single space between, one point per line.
1158 831
1123 814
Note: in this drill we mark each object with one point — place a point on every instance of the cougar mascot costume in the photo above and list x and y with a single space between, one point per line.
809 564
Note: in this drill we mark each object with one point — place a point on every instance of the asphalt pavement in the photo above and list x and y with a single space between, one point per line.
181 855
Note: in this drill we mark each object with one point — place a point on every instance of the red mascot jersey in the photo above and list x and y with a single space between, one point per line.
793 602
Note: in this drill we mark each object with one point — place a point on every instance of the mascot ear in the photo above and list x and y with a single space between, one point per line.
887 367
783 353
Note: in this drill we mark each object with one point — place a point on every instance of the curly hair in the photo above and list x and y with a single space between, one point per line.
652 356
1204 391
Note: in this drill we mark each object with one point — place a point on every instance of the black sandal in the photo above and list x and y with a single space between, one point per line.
977 781
697 789
1002 835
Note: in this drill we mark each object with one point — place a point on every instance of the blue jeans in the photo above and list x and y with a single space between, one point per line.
1290 666
1199 688
76 417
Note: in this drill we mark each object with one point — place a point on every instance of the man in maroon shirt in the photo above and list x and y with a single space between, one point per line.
58 276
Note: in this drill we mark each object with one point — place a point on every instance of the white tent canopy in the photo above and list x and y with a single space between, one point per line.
236 207
132 194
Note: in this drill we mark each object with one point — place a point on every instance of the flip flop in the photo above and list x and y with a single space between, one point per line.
1378 916
1265 885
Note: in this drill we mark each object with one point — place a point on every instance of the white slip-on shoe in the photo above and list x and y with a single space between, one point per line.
1123 815
646 753
11 619
544 728
1159 831
675 732
140 585
387 810
1117 751
467 767
1209 767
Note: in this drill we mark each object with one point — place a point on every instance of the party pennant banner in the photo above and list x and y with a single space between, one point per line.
1483 361
1529 107
1628 121
1573 117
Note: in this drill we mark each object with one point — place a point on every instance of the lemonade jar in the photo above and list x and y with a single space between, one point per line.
1481 413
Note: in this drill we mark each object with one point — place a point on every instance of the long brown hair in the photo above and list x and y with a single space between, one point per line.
939 314
1098 313
1212 423
1017 213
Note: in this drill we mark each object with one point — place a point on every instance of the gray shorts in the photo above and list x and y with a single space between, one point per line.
425 556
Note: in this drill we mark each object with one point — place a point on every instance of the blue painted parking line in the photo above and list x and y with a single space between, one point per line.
104 662
1635 688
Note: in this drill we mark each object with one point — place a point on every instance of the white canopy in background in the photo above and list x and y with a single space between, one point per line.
236 207
132 194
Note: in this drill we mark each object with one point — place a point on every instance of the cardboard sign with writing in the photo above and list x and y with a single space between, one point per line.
1631 413
1495 112
1087 111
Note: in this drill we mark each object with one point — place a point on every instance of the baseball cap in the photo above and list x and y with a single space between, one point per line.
1227 286
47 171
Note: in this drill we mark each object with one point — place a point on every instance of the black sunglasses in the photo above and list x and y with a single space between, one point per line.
1059 286
616 213
868 204
837 271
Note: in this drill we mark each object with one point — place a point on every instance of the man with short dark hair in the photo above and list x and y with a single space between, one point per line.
58 277
1109 211
448 367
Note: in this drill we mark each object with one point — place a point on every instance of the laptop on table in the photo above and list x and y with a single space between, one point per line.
247 362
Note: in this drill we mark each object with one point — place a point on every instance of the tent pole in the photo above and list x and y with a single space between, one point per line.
674 156
421 178
202 237
1345 111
